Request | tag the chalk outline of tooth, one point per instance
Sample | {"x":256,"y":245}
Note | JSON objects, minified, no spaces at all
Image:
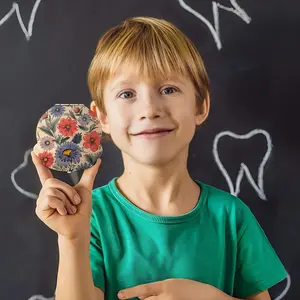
{"x":243,"y":168}
{"x":40,"y":297}
{"x":215,"y":30}
{"x":287,"y":287}
{"x":16,"y":9}
{"x":16,"y":170}
{"x":259,"y":189}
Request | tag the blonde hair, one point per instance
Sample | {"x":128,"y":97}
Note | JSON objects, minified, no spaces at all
{"x":157,"y":48}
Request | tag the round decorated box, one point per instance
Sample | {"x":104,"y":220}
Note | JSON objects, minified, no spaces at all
{"x":68,"y":138}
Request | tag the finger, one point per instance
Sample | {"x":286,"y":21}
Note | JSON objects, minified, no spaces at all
{"x":51,"y":202}
{"x":68,"y":190}
{"x":143,"y":290}
{"x":61,"y":196}
{"x":89,"y":175}
{"x":43,"y":172}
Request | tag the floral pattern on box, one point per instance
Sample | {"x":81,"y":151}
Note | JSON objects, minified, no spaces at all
{"x":68,"y":138}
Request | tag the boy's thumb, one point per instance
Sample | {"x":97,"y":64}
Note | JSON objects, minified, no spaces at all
{"x":89,"y":175}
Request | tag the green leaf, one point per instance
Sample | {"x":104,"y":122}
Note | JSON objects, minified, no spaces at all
{"x":92,"y":128}
{"x":54,"y":124}
{"x":83,"y":128}
{"x":46,"y":130}
{"x":72,"y":114}
{"x":64,"y":139}
{"x":59,"y":139}
{"x":48,"y":123}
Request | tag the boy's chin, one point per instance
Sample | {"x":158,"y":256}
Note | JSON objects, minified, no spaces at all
{"x":157,"y":159}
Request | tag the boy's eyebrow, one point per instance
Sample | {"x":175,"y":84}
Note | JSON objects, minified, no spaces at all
{"x":118,"y":83}
{"x":126,"y":81}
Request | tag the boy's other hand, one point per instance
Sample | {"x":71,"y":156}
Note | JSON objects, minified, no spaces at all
{"x":63,"y":208}
{"x":174,"y":289}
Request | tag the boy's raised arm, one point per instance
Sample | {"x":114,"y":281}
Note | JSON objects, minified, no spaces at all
{"x":74,"y":279}
{"x":67,"y":211}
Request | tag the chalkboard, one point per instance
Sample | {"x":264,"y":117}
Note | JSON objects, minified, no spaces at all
{"x":249,"y":145}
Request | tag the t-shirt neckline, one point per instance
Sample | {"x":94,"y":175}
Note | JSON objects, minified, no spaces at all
{"x":155,"y":218}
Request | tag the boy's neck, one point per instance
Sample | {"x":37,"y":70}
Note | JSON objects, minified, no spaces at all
{"x":167,"y":190}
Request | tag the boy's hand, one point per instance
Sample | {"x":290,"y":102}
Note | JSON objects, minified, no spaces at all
{"x":57,"y":200}
{"x":174,"y":289}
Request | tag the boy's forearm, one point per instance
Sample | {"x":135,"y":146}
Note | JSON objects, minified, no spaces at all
{"x":223,"y":296}
{"x":74,"y":279}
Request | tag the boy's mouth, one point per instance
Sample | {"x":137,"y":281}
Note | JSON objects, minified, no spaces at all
{"x":154,"y":131}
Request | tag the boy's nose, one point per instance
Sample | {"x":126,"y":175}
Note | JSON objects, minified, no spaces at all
{"x":151,"y":109}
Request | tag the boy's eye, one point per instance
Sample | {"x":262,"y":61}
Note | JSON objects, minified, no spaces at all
{"x":126,"y":92}
{"x":168,"y":89}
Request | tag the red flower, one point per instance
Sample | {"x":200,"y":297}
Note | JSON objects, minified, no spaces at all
{"x":92,"y":141}
{"x":45,"y":116}
{"x":92,"y":114}
{"x":46,"y":158}
{"x":67,"y":127}
{"x":76,"y":109}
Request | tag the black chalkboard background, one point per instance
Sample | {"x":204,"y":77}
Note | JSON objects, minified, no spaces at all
{"x":253,"y":71}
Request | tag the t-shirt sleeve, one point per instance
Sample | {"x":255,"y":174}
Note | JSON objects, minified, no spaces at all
{"x":258,"y":266}
{"x":96,"y":255}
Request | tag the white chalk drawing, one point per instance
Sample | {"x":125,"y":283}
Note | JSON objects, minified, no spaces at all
{"x":285,"y":291}
{"x":40,"y":297}
{"x":16,"y":9}
{"x":259,"y":186}
{"x":215,"y":30}
{"x":16,"y":170}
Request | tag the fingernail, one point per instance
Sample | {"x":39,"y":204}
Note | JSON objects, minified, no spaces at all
{"x":121,"y":295}
{"x":77,"y":199}
{"x":73,"y":209}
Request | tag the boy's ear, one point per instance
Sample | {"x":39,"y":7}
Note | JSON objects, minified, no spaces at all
{"x":101,"y":116}
{"x":203,"y":111}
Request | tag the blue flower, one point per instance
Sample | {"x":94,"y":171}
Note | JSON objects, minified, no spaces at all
{"x":84,"y":119}
{"x":46,"y":143}
{"x":67,"y":153}
{"x":57,"y":110}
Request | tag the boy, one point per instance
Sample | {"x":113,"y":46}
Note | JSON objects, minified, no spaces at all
{"x":153,"y":232}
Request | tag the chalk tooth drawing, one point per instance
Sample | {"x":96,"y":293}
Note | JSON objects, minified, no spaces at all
{"x":40,"y":297}
{"x":285,"y":291}
{"x":259,"y":186}
{"x":16,"y":170}
{"x":215,"y":29}
{"x":16,"y":9}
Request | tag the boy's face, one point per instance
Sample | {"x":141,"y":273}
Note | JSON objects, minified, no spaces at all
{"x":134,"y":105}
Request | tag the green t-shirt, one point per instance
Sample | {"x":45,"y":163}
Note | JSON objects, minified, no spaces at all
{"x":219,"y":242}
